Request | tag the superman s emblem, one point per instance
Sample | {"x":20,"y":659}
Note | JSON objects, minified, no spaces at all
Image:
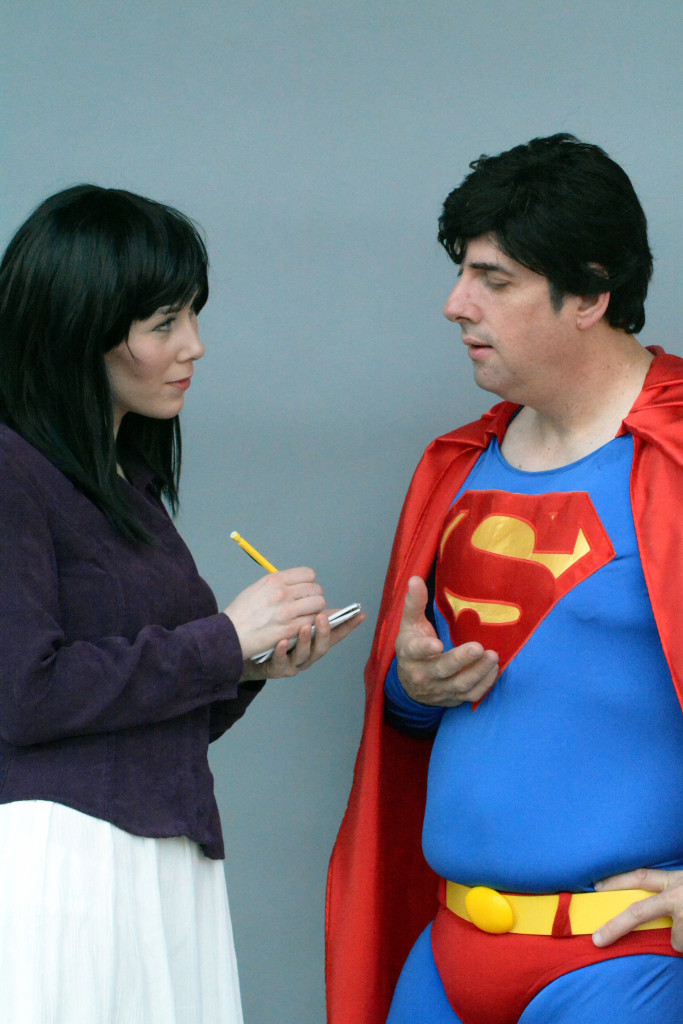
{"x":505,"y":560}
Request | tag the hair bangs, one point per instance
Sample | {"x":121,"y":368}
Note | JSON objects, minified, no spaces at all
{"x":167,"y":262}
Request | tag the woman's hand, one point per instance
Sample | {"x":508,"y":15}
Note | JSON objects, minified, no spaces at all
{"x":309,"y":649}
{"x":275,"y":608}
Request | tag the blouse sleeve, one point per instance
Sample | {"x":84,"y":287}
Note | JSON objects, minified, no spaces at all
{"x":224,"y":713}
{"x":51,"y":688}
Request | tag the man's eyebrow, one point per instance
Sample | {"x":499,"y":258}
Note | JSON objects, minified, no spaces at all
{"x":496,"y":267}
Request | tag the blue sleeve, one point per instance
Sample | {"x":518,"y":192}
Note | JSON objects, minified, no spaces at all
{"x":404,"y":713}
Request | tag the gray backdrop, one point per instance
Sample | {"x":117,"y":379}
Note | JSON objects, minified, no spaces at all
{"x":314,"y":142}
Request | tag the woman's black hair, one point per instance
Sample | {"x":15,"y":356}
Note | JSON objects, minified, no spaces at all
{"x":87,"y":263}
{"x":564,"y":209}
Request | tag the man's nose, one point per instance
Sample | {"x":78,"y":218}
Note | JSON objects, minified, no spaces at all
{"x":459,"y":304}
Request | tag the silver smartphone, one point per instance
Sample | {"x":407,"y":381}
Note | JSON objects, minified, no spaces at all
{"x":336,"y":619}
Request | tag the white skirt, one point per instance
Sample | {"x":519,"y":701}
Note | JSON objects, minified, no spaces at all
{"x":101,"y":927}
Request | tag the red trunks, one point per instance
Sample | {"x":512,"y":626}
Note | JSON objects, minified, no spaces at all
{"x":492,"y":978}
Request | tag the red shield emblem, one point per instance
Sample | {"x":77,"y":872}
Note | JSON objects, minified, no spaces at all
{"x":505,"y":560}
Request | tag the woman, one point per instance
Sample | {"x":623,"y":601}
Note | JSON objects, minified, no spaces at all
{"x":116,"y":667}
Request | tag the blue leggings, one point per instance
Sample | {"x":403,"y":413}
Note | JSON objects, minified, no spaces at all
{"x":642,"y":989}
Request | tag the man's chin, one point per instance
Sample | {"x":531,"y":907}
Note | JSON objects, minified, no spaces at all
{"x":488,"y":381}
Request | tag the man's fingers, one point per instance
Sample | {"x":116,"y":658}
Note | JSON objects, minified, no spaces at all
{"x":469,"y":662}
{"x":419,"y":648}
{"x":415,"y":603}
{"x":638,"y":913}
{"x":484,"y":683}
{"x":465,"y":655}
{"x":652,"y":879}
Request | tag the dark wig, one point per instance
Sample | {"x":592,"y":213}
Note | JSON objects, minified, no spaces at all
{"x":563,"y":209}
{"x":85,"y":265}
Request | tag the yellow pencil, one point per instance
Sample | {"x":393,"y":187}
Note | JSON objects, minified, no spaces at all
{"x":252,"y":552}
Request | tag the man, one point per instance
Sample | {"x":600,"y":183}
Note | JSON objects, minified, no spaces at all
{"x":529,"y":643}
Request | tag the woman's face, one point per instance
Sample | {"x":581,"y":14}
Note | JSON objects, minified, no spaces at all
{"x":150,"y":371}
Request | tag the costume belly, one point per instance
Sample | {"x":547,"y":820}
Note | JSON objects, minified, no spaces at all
{"x":570,"y":769}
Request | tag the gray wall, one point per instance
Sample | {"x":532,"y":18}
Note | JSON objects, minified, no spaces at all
{"x":315,"y":141}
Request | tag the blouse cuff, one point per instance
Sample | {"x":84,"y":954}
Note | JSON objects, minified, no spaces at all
{"x":220,"y":652}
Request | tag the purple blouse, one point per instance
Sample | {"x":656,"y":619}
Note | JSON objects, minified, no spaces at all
{"x":116,"y":668}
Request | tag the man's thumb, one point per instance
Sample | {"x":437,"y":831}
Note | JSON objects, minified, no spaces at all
{"x":416,"y":600}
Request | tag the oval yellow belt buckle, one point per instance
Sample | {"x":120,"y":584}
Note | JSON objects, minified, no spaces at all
{"x":489,"y":910}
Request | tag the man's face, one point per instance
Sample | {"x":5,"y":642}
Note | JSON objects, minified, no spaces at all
{"x":520,"y":346}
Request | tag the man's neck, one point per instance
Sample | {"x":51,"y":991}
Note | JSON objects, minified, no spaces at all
{"x":581,"y":414}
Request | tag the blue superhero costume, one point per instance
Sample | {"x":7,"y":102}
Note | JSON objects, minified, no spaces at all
{"x":381,"y":892}
{"x":539,"y":790}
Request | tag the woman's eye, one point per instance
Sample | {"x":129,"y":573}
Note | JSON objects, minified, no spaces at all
{"x":165,"y":325}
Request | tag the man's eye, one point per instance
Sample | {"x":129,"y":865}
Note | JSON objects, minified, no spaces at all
{"x":497,"y":285}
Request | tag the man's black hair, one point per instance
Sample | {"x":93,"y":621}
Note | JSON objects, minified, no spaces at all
{"x":563,"y":209}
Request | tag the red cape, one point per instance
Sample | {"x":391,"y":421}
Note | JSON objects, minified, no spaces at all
{"x":381,"y":893}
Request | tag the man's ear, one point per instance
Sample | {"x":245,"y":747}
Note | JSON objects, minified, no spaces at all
{"x":591,"y":309}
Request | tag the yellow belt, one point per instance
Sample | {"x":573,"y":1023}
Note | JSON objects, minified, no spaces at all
{"x":497,"y":912}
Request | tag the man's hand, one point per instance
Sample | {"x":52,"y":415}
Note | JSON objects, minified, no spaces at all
{"x":429,"y":675}
{"x":667,"y":902}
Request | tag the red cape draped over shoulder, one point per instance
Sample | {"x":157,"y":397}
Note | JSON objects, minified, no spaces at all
{"x":381,"y":893}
